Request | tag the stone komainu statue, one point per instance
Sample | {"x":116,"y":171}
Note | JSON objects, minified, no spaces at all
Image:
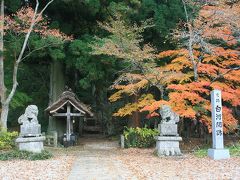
{"x":29,"y":122}
{"x":168,"y":126}
{"x":30,"y":138}
{"x":168,"y":116}
{"x":30,"y":115}
{"x":168,"y":140}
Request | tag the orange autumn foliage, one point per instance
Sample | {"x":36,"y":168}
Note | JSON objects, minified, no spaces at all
{"x":129,"y":108}
{"x":190,"y":98}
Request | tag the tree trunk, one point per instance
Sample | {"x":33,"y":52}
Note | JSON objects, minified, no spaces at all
{"x":195,"y":70}
{"x":190,"y":44}
{"x":57,"y":87}
{"x":4,"y":116}
{"x":2,"y":86}
{"x":4,"y":110}
{"x":135,"y":120}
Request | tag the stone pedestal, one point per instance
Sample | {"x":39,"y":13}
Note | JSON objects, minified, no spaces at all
{"x":31,"y":144}
{"x":168,"y":145}
{"x":218,"y":154}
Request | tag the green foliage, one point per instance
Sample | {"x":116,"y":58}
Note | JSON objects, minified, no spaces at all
{"x":47,"y":46}
{"x":92,"y":6}
{"x":166,"y":14}
{"x":15,"y":154}
{"x":7,"y":139}
{"x":92,"y":70}
{"x":19,"y":100}
{"x":139,"y":137}
{"x":13,"y":6}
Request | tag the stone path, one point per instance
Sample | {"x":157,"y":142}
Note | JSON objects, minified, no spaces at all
{"x":97,"y":161}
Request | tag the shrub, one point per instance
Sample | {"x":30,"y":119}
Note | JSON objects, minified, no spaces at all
{"x":7,"y":139}
{"x":16,"y":154}
{"x":139,"y":137}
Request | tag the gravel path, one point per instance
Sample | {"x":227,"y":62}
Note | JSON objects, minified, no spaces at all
{"x":146,"y":166}
{"x":101,"y":165}
{"x":95,"y":160}
{"x":98,"y":160}
{"x":57,"y":168}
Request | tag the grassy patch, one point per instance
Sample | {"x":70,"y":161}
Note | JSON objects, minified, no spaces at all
{"x":16,"y":154}
{"x":201,"y":153}
{"x":234,"y":151}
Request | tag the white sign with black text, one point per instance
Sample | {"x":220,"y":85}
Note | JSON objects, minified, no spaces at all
{"x":217,"y":152}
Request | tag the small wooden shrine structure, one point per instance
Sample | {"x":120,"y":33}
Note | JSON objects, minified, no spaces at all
{"x":67,"y":108}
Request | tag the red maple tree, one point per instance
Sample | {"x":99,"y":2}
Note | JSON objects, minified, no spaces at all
{"x":216,"y":69}
{"x":210,"y":60}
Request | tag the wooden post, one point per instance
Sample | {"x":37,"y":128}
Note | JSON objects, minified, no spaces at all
{"x":68,"y":121}
{"x":122,"y":141}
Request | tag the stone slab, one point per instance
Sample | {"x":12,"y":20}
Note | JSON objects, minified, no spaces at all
{"x":218,"y":154}
{"x":168,"y":138}
{"x":31,"y":144}
{"x":166,"y":129}
{"x":30,"y":139}
{"x":30,"y":129}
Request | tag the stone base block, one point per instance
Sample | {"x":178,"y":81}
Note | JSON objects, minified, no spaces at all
{"x":218,"y":154}
{"x":166,"y":129}
{"x":168,"y":146}
{"x":31,"y":144}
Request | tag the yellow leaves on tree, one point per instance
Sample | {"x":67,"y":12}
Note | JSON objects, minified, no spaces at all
{"x":129,"y":108}
{"x":135,"y":83}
